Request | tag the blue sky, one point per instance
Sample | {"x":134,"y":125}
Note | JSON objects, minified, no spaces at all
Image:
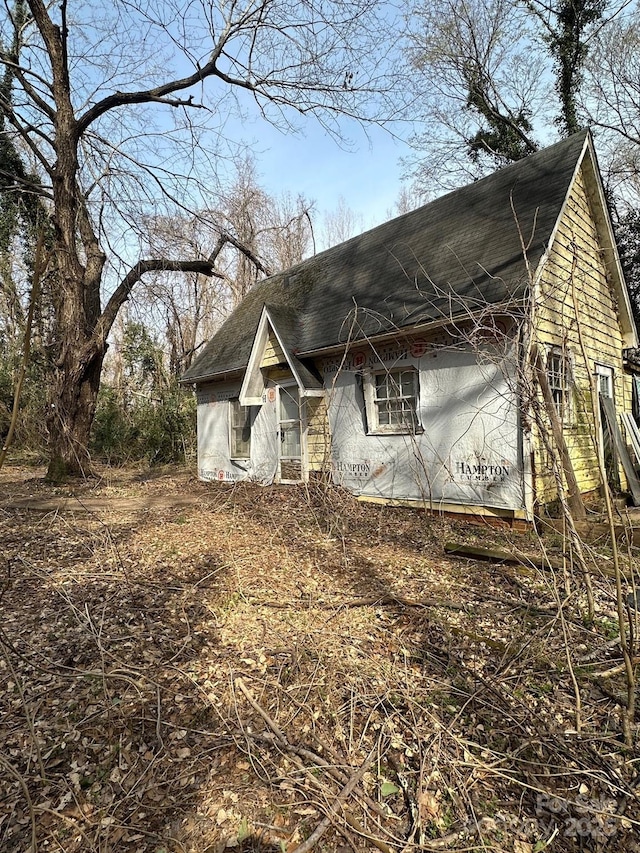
{"x":365,"y":171}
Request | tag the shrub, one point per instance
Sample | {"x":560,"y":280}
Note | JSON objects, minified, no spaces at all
{"x":158,"y":430}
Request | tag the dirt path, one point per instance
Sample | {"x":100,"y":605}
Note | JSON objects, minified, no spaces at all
{"x":79,"y":503}
{"x":126,"y":490}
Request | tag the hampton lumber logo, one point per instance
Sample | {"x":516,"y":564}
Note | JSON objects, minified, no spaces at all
{"x":481,"y":471}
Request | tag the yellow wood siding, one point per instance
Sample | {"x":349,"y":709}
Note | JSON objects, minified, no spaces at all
{"x":272,"y":352}
{"x":318,"y":444}
{"x":575,"y":301}
{"x":279,"y":374}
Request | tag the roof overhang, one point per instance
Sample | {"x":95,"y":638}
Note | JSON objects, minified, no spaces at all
{"x":253,"y":383}
{"x":212,"y":377}
{"x":512,"y":308}
{"x":262,"y":335}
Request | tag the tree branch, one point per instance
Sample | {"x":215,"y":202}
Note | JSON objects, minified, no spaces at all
{"x":225,"y":238}
{"x":159,"y":93}
{"x":122,"y":292}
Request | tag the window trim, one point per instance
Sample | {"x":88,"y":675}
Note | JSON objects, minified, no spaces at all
{"x":235,"y":407}
{"x":563,"y":387}
{"x":608,"y":372}
{"x":372,"y":401}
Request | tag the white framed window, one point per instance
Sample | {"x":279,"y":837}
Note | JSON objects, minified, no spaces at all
{"x":239,"y":430}
{"x":559,"y":376}
{"x":290,"y":429}
{"x":604,"y":380}
{"x":391,"y":400}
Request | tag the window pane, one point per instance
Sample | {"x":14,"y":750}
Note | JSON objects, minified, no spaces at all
{"x":290,"y":440}
{"x":240,"y":430}
{"x":289,"y":404}
{"x":605,"y":384}
{"x":558,"y":377}
{"x":395,"y":399}
{"x":381,"y":386}
{"x":407,"y":384}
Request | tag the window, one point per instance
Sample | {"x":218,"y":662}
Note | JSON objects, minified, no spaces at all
{"x":559,"y":376}
{"x":391,"y":399}
{"x":239,"y":430}
{"x":604,"y":380}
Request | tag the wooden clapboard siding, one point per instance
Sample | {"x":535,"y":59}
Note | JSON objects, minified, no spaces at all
{"x":575,"y":276}
{"x":272,"y":352}
{"x":318,"y":444}
{"x":279,"y":374}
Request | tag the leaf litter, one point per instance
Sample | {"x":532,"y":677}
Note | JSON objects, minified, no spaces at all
{"x":196,"y":667}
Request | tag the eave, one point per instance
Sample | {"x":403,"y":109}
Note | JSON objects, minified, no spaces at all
{"x":511,"y":308}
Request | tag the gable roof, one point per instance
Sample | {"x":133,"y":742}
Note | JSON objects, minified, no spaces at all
{"x":457,"y":254}
{"x":282,"y":322}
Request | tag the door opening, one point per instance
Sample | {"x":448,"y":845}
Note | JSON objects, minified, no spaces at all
{"x":290,"y":435}
{"x":604,"y":385}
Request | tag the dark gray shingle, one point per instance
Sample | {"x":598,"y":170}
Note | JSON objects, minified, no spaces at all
{"x":459,"y":252}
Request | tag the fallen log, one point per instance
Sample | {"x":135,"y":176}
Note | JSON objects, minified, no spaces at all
{"x":531,"y":561}
{"x":526,"y":561}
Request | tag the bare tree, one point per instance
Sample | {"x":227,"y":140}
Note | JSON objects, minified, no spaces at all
{"x":185,"y":309}
{"x":275,"y":231}
{"x":254,"y":234}
{"x":612,"y":98}
{"x":341,"y":224}
{"x":567,"y":27}
{"x":476,"y":84}
{"x":408,"y":199}
{"x":112,"y":105}
{"x":493,"y":76}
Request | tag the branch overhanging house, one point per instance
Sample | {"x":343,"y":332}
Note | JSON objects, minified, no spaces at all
{"x":400,"y":362}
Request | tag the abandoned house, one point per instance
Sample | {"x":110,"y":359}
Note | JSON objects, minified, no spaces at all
{"x":409,"y":363}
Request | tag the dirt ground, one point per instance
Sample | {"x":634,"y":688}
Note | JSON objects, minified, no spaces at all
{"x":192,"y":667}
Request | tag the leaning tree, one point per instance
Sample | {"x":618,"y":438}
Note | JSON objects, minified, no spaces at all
{"x":124,"y":111}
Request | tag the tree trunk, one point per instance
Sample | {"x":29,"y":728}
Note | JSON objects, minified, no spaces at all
{"x":77,"y":365}
{"x":71,"y":409}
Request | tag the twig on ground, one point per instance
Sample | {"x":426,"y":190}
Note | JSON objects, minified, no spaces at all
{"x":25,"y":790}
{"x":325,"y":823}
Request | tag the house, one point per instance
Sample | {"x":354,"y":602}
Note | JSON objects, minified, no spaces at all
{"x":400,"y":362}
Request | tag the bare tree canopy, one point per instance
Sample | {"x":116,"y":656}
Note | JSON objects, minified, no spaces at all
{"x":120,"y":111}
{"x":252,"y":234}
{"x":495,"y":79}
{"x":612,"y":97}
{"x":477,"y":85}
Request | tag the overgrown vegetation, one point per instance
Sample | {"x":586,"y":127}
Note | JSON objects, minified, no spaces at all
{"x":286,"y":668}
{"x":157,"y":429}
{"x":30,"y":436}
{"x":142,"y":414}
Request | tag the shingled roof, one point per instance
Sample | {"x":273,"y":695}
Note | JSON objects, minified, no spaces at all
{"x":461,"y":251}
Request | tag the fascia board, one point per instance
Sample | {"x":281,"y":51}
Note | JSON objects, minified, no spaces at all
{"x":537,"y":273}
{"x":255,"y":358}
{"x":595,"y":185}
{"x":212,"y":377}
{"x":253,"y":365}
